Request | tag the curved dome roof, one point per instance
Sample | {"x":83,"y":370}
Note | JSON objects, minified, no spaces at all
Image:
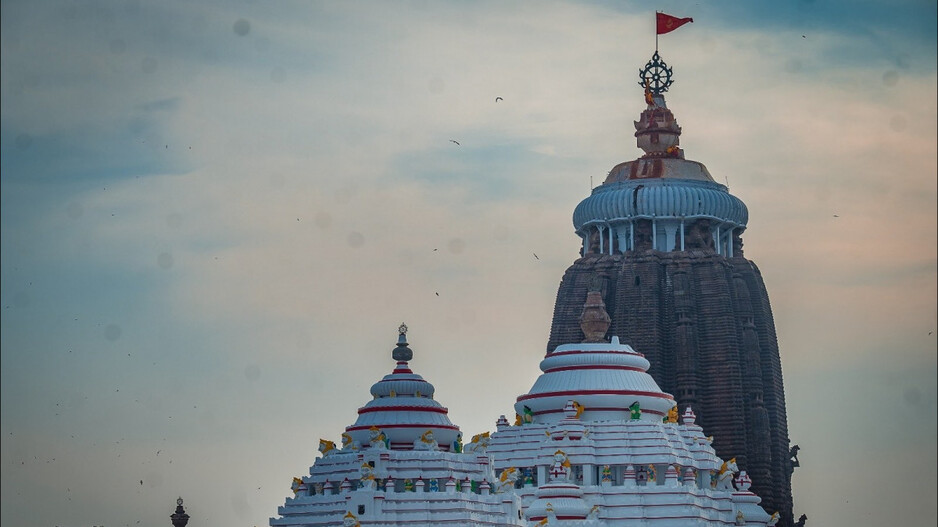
{"x":403,"y":408}
{"x":605,"y":378}
{"x":660,"y":198}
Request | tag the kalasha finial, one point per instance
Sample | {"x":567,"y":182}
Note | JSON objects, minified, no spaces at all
{"x":179,"y":518}
{"x":402,"y":352}
{"x":594,"y":321}
{"x":656,"y":75}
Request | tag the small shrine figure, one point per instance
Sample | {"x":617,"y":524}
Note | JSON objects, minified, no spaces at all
{"x":348,"y":444}
{"x":528,"y":416}
{"x":593,"y":514}
{"x":607,"y":475}
{"x":479,"y":443}
{"x":672,"y":416}
{"x":426,"y":442}
{"x":560,"y":470}
{"x":740,"y":518}
{"x":350,"y":520}
{"x":377,"y":439}
{"x":636,"y":411}
{"x":507,"y":479}
{"x":367,"y":479}
{"x":518,"y":420}
{"x":318,"y":489}
{"x":434,"y":485}
{"x":724,"y":478}
{"x":773,"y":520}
{"x":652,"y":473}
{"x":528,"y":477}
{"x":408,"y":485}
{"x":579,"y":409}
{"x":457,"y":444}
{"x":326,"y":447}
{"x":297,"y":486}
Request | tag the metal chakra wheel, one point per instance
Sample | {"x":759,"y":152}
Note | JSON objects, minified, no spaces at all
{"x":657,"y":73}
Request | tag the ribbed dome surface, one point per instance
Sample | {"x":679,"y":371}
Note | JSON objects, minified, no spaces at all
{"x":660,"y":198}
{"x":403,"y":409}
{"x":605,"y":378}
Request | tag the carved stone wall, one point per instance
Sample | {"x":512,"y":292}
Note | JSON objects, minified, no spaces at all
{"x":705,"y":324}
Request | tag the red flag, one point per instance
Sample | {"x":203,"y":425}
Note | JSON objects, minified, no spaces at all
{"x":668,"y":23}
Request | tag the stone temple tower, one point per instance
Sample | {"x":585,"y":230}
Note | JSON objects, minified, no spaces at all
{"x":662,"y":242}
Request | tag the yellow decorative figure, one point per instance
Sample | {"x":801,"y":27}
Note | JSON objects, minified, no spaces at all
{"x":672,"y":415}
{"x":579,"y":409}
{"x":326,"y":447}
{"x":350,"y":520}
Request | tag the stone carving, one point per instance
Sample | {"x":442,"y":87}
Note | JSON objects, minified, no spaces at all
{"x":560,"y":470}
{"x":367,"y":479}
{"x":377,"y":439}
{"x":426,"y":442}
{"x":698,"y":236}
{"x":348,"y":444}
{"x":479,"y":444}
{"x":724,"y":479}
{"x":326,"y":447}
{"x":507,"y":479}
{"x":350,"y":520}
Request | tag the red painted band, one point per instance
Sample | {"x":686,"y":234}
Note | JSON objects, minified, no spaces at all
{"x":405,"y":425}
{"x":603,"y":352}
{"x":594,"y":367}
{"x":659,"y":395}
{"x":365,"y":410}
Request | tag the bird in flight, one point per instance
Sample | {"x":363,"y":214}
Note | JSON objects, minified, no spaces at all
{"x":454,"y":141}
{"x":499,"y":99}
{"x":535,"y":256}
{"x":836,"y":216}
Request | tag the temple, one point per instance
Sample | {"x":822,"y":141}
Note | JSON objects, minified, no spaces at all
{"x":663,"y":240}
{"x":660,"y":402}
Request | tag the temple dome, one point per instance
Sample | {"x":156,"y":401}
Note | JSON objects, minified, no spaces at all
{"x":604,"y":378}
{"x":660,"y":198}
{"x":403,"y":408}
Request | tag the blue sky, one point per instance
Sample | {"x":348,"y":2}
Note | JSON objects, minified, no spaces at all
{"x":215,"y":215}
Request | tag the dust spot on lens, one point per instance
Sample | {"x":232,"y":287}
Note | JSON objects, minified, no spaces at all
{"x":898,"y":123}
{"x":23,"y":141}
{"x":323,"y":220}
{"x":148,"y":64}
{"x":356,"y":240}
{"x":241,"y":27}
{"x":112,"y":332}
{"x":278,"y":75}
{"x":456,"y":245}
{"x":164,"y":260}
{"x":74,"y":210}
{"x":890,"y":78}
{"x":117,"y":46}
{"x":252,"y":372}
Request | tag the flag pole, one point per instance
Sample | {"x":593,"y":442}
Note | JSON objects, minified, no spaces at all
{"x":656,"y":31}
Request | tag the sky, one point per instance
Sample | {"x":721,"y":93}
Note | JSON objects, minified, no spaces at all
{"x":215,"y":215}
